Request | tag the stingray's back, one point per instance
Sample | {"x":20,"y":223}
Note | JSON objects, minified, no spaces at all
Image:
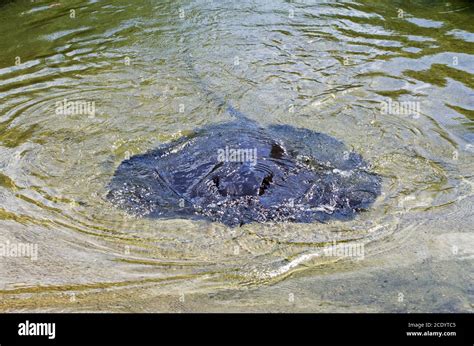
{"x":296,"y":175}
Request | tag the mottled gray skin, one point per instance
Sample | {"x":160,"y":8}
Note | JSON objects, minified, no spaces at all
{"x":299,"y":176}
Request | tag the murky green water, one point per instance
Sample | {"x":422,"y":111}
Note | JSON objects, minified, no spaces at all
{"x":392,"y":79}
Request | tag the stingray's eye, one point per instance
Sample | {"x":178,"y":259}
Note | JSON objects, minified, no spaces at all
{"x":265,"y":184}
{"x":304,"y":159}
{"x":277,"y":151}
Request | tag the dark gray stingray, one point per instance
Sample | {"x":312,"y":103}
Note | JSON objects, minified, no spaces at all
{"x":296,"y":175}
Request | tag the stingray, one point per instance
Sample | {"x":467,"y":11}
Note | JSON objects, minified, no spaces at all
{"x":241,"y":172}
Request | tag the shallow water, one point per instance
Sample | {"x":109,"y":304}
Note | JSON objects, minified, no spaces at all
{"x":337,"y":67}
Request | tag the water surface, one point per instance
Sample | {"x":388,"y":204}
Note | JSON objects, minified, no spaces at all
{"x":337,"y":67}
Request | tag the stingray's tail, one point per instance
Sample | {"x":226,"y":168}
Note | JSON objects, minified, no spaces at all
{"x":210,"y":94}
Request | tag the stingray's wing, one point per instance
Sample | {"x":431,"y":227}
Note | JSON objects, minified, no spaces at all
{"x":140,"y":189}
{"x":357,"y":186}
{"x":324,"y":149}
{"x":157,"y":183}
{"x":140,"y":185}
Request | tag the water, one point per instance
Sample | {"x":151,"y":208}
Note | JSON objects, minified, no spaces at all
{"x":393,"y":80}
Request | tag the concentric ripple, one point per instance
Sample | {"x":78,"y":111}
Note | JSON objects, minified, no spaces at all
{"x":85,"y":85}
